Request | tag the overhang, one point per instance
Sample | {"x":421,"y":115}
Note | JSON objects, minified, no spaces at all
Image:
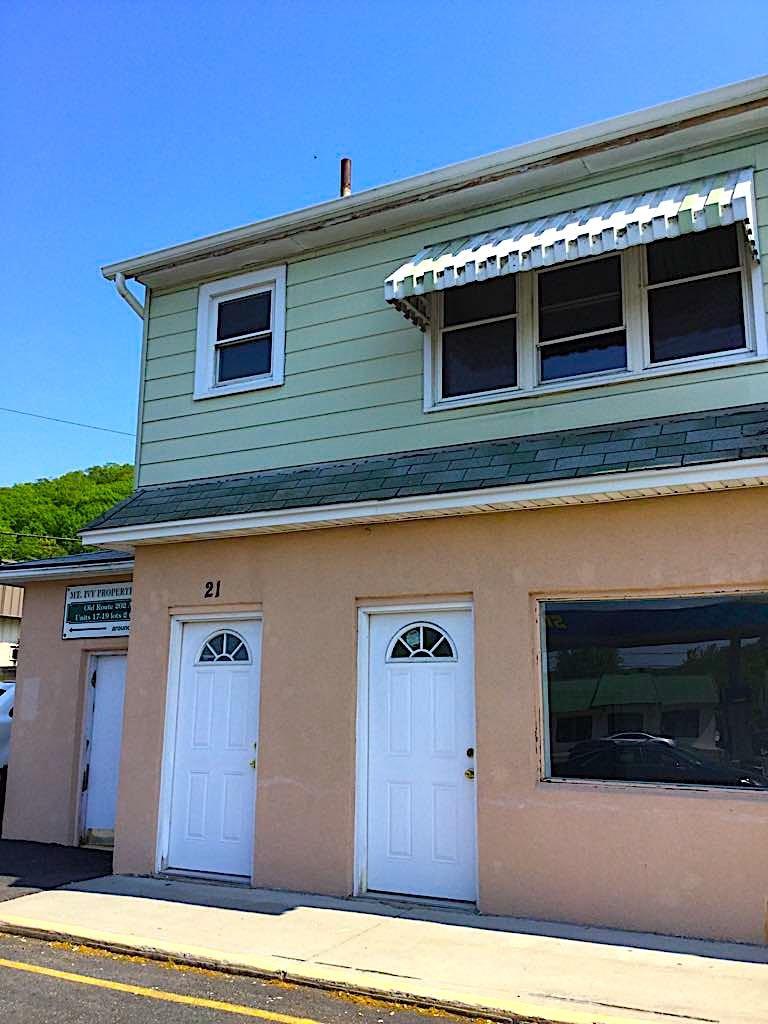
{"x":717,"y":450}
{"x":633,"y":220}
{"x":85,"y":565}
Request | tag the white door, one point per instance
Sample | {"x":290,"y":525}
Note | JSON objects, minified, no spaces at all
{"x":213,"y":772}
{"x":107,"y":692}
{"x":421,"y":759}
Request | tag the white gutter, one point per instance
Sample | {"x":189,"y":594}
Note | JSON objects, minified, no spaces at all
{"x":39,"y":574}
{"x":128,"y":295}
{"x":621,"y":486}
{"x":742,"y":98}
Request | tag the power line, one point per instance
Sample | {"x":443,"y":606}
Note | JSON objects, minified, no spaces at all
{"x":37,"y":536}
{"x":71,"y":423}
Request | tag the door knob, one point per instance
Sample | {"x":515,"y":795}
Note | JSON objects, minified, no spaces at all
{"x":469,"y":773}
{"x":252,"y":763}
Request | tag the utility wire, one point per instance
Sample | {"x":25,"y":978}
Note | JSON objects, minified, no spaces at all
{"x":37,"y":536}
{"x":71,"y":423}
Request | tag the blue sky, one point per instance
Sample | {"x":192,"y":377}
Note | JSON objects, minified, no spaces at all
{"x":129,"y":126}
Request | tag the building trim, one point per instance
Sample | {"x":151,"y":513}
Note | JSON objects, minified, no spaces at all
{"x":412,"y":198}
{"x":542,"y":494}
{"x":18,"y":577}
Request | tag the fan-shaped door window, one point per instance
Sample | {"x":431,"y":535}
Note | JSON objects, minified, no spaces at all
{"x":421,"y":640}
{"x":224,"y":646}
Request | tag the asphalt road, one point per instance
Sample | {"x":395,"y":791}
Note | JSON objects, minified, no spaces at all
{"x":130,"y":989}
{"x":30,"y":867}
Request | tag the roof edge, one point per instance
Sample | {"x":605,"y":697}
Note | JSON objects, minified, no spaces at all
{"x":523,"y":158}
{"x":27,"y":573}
{"x":617,"y":486}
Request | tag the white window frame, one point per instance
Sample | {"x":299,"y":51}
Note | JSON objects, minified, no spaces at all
{"x":210,"y":296}
{"x":545,"y":774}
{"x":636,"y":325}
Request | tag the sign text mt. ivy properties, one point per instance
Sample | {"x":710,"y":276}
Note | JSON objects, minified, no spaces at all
{"x":100,"y":610}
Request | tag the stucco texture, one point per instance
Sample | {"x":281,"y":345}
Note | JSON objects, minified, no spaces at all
{"x":650,"y":858}
{"x":42,"y":797}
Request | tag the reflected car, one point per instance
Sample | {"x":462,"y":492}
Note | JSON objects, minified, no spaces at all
{"x":640,"y":737}
{"x":652,"y":760}
{"x":7,"y":692}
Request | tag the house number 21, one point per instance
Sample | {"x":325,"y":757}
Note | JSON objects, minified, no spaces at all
{"x":212,"y":588}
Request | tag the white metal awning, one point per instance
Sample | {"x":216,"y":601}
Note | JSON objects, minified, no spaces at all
{"x":719,"y":200}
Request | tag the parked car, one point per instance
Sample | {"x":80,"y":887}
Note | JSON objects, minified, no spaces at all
{"x":7,"y":693}
{"x":654,"y":760}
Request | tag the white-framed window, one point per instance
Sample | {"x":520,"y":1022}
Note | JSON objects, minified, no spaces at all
{"x":241,"y":333}
{"x":421,"y":640}
{"x":671,"y":306}
{"x":656,"y":690}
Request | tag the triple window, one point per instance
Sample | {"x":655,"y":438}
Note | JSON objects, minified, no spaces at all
{"x":675,"y":302}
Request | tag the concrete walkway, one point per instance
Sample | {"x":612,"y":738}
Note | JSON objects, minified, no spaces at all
{"x":486,"y":965}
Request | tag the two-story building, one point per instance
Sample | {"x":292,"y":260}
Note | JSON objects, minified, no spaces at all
{"x":448,"y":538}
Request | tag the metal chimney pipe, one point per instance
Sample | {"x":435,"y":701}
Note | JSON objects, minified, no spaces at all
{"x":345,"y":187}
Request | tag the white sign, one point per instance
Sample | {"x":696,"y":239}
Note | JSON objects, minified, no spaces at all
{"x":100,"y":610}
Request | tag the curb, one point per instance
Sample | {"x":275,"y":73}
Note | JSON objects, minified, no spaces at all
{"x":518,"y":1011}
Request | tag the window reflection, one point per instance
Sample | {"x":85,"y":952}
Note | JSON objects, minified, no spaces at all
{"x":659,"y":691}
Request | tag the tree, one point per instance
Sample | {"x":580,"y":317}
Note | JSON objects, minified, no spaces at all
{"x":57,"y":508}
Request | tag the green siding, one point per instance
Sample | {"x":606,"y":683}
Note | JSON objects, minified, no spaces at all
{"x":353,"y":380}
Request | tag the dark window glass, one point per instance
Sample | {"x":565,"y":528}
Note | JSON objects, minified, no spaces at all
{"x":481,"y":301}
{"x":626,"y":721}
{"x":696,"y":318}
{"x":479,"y":359}
{"x":248,"y":315}
{"x":597,"y":354}
{"x":580,"y":298}
{"x":676,"y":690}
{"x":683,"y":722}
{"x":574,"y":728}
{"x":701,"y":252}
{"x":245,"y":359}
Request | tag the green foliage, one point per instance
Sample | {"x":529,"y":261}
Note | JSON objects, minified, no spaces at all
{"x":59,"y":508}
{"x":587,"y":662}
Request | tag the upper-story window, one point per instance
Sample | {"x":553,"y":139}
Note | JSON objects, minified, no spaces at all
{"x":675,"y":303}
{"x":241,"y":333}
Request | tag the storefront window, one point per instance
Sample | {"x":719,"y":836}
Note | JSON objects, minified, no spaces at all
{"x":670,"y":691}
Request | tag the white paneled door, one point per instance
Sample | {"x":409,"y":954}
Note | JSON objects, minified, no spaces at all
{"x":421,"y":836}
{"x":213,"y":770}
{"x":107,"y":692}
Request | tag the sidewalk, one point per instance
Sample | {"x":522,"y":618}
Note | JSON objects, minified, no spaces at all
{"x":493,"y":966}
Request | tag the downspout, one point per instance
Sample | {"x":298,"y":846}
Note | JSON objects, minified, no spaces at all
{"x":124,"y":293}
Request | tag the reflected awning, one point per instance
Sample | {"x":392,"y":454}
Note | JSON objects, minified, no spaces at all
{"x":716,"y":201}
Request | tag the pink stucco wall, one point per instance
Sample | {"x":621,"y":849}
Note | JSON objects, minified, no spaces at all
{"x":43,"y":774}
{"x":657,"y":858}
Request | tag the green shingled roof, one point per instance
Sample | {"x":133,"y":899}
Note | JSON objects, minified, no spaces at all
{"x":660,"y":443}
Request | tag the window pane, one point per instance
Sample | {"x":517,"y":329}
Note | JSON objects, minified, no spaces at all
{"x":479,"y":359}
{"x":248,"y":315}
{"x":697,"y":253}
{"x":580,"y":298}
{"x":245,"y":359}
{"x":480,"y":301}
{"x":696,"y":318}
{"x":586,"y":355}
{"x":675,"y":690}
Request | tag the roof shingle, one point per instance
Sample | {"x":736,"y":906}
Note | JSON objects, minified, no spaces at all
{"x":722,"y":435}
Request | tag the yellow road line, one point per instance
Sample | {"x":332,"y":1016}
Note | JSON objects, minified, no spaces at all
{"x":151,"y":993}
